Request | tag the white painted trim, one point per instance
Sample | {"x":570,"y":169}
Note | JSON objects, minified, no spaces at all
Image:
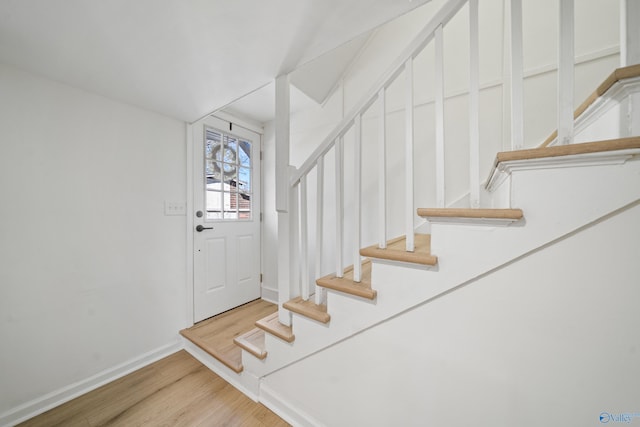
{"x":58,"y":397}
{"x":320,"y":294}
{"x":495,"y":222}
{"x":382,"y":170}
{"x":304,"y":239}
{"x":614,"y":96}
{"x":411,"y":265}
{"x":505,"y":169}
{"x":629,"y":32}
{"x":357,"y":192}
{"x":439,"y":119}
{"x":282,"y":135}
{"x":284,"y":409}
{"x":269,"y":294}
{"x":244,"y":382}
{"x":474,"y":106}
{"x":339,"y":193}
{"x":190,"y":298}
{"x":517,"y":77}
{"x":566,"y":60}
{"x":409,"y":153}
{"x":242,"y":122}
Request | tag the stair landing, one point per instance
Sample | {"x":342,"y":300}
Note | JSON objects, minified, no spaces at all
{"x":216,"y":335}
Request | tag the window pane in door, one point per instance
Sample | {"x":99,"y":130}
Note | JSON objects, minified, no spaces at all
{"x":228,"y":169}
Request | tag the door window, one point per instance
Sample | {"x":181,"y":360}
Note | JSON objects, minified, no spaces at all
{"x":228,"y":170}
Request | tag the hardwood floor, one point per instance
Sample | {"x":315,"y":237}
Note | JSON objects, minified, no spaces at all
{"x":175,"y":391}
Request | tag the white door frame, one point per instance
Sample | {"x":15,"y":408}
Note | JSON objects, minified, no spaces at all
{"x":188,"y":321}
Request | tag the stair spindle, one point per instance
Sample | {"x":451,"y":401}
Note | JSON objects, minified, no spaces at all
{"x":565,"y":73}
{"x":439,"y":107}
{"x":357,"y":200}
{"x":517,"y":77}
{"x":339,"y":155}
{"x":382,"y":171}
{"x":304,"y":240}
{"x":319,"y":292}
{"x":408,"y":164}
{"x":474,"y":106}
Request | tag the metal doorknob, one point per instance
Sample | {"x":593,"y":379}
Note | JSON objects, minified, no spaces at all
{"x":199,"y":228}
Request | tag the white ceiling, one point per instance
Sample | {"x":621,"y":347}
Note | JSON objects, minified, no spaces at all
{"x":182,"y":58}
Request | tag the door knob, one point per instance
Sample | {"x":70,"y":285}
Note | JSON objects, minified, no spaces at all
{"x":199,"y":228}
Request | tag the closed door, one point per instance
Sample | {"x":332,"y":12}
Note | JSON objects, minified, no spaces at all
{"x":226,"y":217}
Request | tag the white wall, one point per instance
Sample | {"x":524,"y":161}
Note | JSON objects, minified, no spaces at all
{"x":550,"y":339}
{"x":92,"y":272}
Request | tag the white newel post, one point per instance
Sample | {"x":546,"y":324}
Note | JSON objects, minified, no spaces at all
{"x":282,"y":195}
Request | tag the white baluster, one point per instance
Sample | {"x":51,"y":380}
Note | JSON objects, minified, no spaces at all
{"x":357,"y":200}
{"x":439,"y":106}
{"x":319,"y":291}
{"x":629,"y":32}
{"x":339,"y":155}
{"x":382,"y":171}
{"x":565,"y":73}
{"x":304,"y":240}
{"x":474,"y":112}
{"x":294,"y":234}
{"x":517,"y":79}
{"x":408,"y":163}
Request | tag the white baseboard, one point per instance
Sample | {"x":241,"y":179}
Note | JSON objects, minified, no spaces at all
{"x":270,"y":294}
{"x":58,"y":397}
{"x":285,"y":410}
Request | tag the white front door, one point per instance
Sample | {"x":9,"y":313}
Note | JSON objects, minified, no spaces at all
{"x":226,"y":213}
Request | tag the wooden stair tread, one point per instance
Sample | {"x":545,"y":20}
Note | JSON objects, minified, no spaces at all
{"x":308,"y":309}
{"x":231,"y":359}
{"x":569,"y":149}
{"x":396,"y":251}
{"x":216,"y":335}
{"x":514,"y":214}
{"x":617,"y":75}
{"x":272,"y":325}
{"x":347,"y":285}
{"x":253,"y":342}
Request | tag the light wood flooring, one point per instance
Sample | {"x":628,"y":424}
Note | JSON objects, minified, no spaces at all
{"x":175,"y":391}
{"x":215,"y":335}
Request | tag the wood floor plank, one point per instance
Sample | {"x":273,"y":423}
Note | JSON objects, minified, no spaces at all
{"x":175,"y":391}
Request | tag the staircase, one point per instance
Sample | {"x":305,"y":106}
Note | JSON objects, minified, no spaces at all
{"x":531,"y":199}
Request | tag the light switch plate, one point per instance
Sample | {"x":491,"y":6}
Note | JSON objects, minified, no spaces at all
{"x":175,"y":208}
